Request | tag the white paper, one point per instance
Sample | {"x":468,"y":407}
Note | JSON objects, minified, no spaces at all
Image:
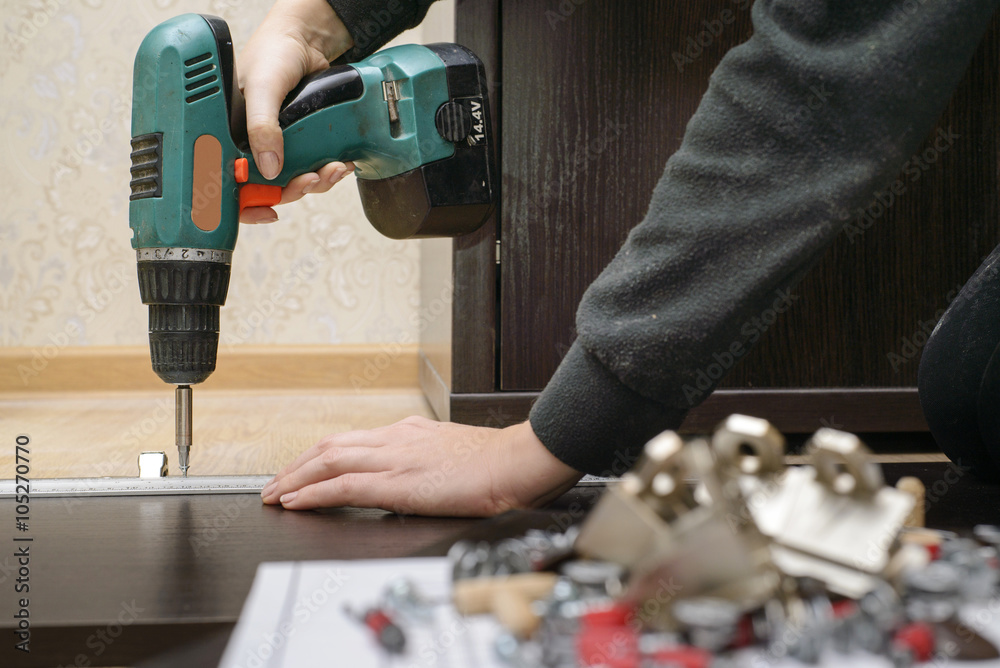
{"x":294,"y":617}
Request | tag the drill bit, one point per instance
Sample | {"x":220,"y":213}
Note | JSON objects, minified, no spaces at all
{"x":182,"y":414}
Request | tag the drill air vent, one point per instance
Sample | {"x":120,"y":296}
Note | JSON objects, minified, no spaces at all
{"x":194,"y":68}
{"x":147,"y":160}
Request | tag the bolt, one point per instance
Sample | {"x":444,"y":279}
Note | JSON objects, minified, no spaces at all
{"x":710,"y":622}
{"x":987,"y":533}
{"x":595,"y":578}
{"x":402,"y":596}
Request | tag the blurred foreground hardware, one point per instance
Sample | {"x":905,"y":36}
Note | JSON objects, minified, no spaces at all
{"x":386,"y":632}
{"x":753,"y":561}
{"x":750,"y":522}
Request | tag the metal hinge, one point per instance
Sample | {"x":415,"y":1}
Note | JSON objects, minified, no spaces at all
{"x":498,"y":251}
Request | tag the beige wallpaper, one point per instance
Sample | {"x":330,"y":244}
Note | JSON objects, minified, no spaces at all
{"x":67,"y":270}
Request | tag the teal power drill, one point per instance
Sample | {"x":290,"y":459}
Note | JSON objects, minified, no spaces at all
{"x":413,"y":119}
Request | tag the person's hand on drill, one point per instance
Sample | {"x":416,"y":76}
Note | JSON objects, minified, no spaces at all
{"x":298,"y":37}
{"x":417,"y":465}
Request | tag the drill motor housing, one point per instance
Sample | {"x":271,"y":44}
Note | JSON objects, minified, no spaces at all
{"x":414,"y":119}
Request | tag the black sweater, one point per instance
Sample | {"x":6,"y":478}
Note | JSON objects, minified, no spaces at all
{"x":799,"y":126}
{"x":372,"y":23}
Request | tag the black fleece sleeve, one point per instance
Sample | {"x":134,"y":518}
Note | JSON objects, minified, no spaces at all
{"x":801,"y":124}
{"x":372,"y":23}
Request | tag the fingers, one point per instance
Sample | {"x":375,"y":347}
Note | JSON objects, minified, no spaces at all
{"x":316,"y":182}
{"x":364,"y":439}
{"x":327,"y":465}
{"x":313,"y":182}
{"x":361,"y":490}
{"x":258,"y":214}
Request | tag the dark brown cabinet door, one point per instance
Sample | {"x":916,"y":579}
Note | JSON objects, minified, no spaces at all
{"x":594,"y":102}
{"x":591,"y":100}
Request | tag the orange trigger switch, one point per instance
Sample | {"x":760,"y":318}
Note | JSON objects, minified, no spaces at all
{"x":259,"y":194}
{"x":242,"y":170}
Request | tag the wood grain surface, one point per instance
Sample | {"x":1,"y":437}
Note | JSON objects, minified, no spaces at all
{"x":476,"y":299}
{"x":593,"y":105}
{"x":166,"y":566}
{"x":235,"y":433}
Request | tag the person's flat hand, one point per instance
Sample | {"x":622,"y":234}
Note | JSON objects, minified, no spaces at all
{"x":298,"y":37}
{"x":419,"y":466}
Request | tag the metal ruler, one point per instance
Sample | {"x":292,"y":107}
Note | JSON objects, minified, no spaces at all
{"x":59,"y":487}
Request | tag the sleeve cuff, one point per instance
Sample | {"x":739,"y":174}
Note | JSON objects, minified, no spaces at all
{"x":591,"y":421}
{"x":373,"y":25}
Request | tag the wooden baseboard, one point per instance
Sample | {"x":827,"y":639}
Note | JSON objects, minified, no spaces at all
{"x":127,"y":368}
{"x":434,"y":387}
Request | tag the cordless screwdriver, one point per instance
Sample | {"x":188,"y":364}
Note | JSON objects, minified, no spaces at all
{"x":414,"y":120}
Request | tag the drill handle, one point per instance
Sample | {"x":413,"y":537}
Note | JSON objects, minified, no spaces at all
{"x":334,"y":85}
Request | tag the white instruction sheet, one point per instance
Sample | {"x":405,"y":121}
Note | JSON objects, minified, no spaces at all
{"x":294,"y":616}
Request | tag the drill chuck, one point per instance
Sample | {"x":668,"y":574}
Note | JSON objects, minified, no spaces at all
{"x":184,"y":288}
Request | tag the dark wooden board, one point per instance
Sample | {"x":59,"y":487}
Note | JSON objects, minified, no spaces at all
{"x":177,"y":569}
{"x":593,"y":106}
{"x":181,"y":560}
{"x":474,"y":259}
{"x":790,"y":410}
{"x":187,"y":557}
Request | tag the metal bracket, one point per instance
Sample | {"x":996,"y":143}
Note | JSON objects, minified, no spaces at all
{"x":152,"y":464}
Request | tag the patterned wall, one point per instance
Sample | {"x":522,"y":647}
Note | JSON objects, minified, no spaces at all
{"x":67,"y":271}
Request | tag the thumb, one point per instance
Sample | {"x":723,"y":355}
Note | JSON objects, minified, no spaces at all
{"x":264,"y":93}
